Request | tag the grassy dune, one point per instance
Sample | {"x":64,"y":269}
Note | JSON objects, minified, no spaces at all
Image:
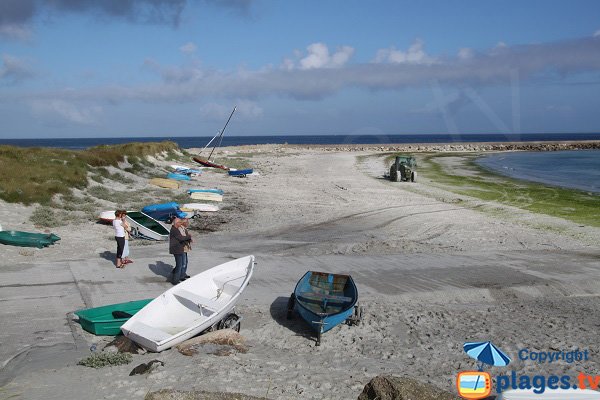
{"x":35,"y":175}
{"x":575,"y":205}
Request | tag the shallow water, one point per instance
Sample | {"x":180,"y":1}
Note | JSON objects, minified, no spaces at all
{"x":577,"y":169}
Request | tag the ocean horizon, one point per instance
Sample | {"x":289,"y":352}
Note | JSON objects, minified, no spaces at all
{"x":199,"y":141}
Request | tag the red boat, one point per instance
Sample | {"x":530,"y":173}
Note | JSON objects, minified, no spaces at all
{"x":207,"y":163}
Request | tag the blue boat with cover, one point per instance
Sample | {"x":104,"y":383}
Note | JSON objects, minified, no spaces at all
{"x":212,"y":190}
{"x":178,"y":177}
{"x":240,"y":172}
{"x":164,"y":212}
{"x":325,"y":300}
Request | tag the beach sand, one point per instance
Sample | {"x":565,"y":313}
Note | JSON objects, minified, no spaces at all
{"x":433,"y":270}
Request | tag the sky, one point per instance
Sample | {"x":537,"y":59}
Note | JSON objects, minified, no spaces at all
{"x":126,"y":68}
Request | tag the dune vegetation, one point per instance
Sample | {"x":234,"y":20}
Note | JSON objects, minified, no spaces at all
{"x":35,"y":175}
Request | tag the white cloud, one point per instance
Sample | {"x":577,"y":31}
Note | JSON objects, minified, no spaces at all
{"x":188,"y":48}
{"x":14,"y":69}
{"x":465,"y":54}
{"x":176,"y":74}
{"x":192,"y":82}
{"x":219,"y":112}
{"x":597,"y":33}
{"x":15,"y":32}
{"x":414,"y":55}
{"x":64,"y":110}
{"x":318,"y":56}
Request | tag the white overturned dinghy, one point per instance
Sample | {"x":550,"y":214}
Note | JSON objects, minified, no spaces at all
{"x":190,"y":307}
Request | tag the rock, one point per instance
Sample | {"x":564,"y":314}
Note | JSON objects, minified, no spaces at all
{"x":171,"y":394}
{"x":384,"y":387}
{"x":124,"y":345}
{"x":146,"y":368}
{"x":222,"y":342}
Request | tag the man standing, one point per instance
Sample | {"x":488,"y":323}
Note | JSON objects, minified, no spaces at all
{"x":178,"y":245}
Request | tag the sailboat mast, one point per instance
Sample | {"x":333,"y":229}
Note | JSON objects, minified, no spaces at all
{"x":222,"y":131}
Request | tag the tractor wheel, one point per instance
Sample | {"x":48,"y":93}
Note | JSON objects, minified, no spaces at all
{"x":413,"y":176}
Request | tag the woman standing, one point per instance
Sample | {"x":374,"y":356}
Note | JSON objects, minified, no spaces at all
{"x":119,"y":237}
{"x":177,"y":243}
{"x":127,"y":228}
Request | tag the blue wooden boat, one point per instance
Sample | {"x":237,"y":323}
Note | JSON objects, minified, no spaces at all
{"x":218,"y":191}
{"x":164,"y":212}
{"x":325,"y":300}
{"x":240,"y":172}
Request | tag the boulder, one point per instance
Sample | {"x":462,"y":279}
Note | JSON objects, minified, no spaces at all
{"x":384,"y":387}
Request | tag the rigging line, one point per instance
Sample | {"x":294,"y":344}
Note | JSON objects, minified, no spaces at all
{"x":222,"y":132}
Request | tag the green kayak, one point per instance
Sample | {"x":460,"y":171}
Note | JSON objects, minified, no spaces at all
{"x":107,"y":320}
{"x":27,"y":239}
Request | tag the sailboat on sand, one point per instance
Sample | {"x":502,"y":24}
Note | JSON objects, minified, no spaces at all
{"x":219,"y":135}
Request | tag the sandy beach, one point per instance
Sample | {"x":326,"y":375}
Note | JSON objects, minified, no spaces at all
{"x":433,"y":269}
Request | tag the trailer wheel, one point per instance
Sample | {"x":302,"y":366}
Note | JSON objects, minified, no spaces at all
{"x":290,"y":306}
{"x":232,"y":321}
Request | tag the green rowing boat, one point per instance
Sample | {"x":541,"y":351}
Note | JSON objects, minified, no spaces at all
{"x":27,"y":239}
{"x":107,"y":320}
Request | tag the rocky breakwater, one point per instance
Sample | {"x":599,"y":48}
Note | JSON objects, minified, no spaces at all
{"x":463,"y":147}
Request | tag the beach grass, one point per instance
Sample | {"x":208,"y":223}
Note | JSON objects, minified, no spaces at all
{"x":35,"y":175}
{"x":574,"y":205}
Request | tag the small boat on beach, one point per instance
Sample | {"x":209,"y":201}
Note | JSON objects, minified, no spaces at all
{"x":240,"y":172}
{"x":181,"y":169}
{"x":325,"y":300}
{"x":165,"y":183}
{"x":107,"y":216}
{"x":164,"y":212}
{"x":178,"y":176}
{"x":192,"y":306}
{"x":145,"y":227}
{"x":199,"y":207}
{"x":206,"y":196}
{"x":219,"y":136}
{"x":209,"y":164}
{"x":206,"y":190}
{"x":28,"y":239}
{"x":107,"y":320}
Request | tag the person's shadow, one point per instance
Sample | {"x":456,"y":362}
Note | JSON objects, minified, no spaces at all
{"x":279,"y":311}
{"x":162,"y":269}
{"x":108,"y":255}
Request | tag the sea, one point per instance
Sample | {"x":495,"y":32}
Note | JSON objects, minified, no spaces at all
{"x":579,"y":169}
{"x":187,"y":142}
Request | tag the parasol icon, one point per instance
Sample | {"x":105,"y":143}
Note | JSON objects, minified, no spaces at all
{"x":486,"y":353}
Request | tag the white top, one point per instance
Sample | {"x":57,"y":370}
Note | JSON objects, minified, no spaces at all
{"x":118,"y":225}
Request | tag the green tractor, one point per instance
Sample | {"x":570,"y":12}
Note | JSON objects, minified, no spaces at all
{"x":404,"y":168}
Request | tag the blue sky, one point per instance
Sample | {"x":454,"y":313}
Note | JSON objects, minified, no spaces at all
{"x":111,"y":68}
